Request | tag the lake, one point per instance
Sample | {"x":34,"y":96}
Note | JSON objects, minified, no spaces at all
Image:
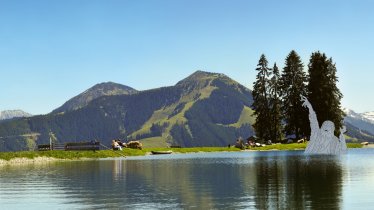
{"x":224,"y":180}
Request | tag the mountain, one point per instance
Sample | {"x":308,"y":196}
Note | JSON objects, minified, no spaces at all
{"x":363,"y":121}
{"x":204,"y":109}
{"x":355,"y":134}
{"x":368,"y":116}
{"x":102,"y":89}
{"x":10,"y":114}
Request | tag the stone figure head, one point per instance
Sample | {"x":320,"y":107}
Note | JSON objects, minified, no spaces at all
{"x":327,"y":129}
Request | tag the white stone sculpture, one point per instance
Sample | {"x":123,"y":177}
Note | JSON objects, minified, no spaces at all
{"x":322,"y":140}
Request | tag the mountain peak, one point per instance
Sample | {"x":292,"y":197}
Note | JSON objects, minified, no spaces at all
{"x":199,"y":74}
{"x":9,"y":114}
{"x":200,"y":78}
{"x":96,"y":91}
{"x":368,"y":115}
{"x":109,"y":83}
{"x":110,"y":88}
{"x":203,"y":73}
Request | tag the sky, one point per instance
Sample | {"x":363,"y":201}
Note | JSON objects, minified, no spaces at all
{"x":51,"y":51}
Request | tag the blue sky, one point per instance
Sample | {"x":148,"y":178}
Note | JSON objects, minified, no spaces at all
{"x":51,"y":51}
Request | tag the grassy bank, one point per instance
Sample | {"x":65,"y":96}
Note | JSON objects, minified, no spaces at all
{"x":71,"y":154}
{"x":354,"y":145}
{"x":195,"y":149}
{"x":136,"y":152}
{"x":105,"y":153}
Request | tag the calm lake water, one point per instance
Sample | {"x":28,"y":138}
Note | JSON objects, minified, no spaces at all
{"x":235,"y":180}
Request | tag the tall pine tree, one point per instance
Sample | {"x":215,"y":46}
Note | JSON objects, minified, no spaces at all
{"x":260,"y":100}
{"x":323,"y":93}
{"x":275,"y":105}
{"x":293,"y":85}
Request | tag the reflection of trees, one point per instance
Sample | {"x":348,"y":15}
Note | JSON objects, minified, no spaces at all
{"x":323,"y":178}
{"x":298,"y":182}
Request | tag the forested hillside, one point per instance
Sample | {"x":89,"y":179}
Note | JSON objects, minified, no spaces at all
{"x":205,"y":109}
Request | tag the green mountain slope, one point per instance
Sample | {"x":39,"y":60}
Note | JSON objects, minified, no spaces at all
{"x":205,"y":109}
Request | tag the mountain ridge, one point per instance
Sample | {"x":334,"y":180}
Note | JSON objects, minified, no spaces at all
{"x":361,"y":121}
{"x":369,"y":115}
{"x":96,"y":91}
{"x":204,"y":109}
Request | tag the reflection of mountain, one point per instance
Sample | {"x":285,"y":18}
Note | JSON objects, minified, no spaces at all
{"x":133,"y":184}
{"x":257,"y":180}
{"x":262,"y":181}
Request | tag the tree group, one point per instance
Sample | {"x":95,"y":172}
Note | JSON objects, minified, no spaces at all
{"x":277,"y":105}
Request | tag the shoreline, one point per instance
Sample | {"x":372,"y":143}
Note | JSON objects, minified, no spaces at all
{"x":24,"y":160}
{"x":368,"y":146}
{"x":48,"y":159}
{"x":18,"y":161}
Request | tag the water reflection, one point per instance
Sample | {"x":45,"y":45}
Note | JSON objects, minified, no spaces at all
{"x":301,"y":182}
{"x":261,"y":180}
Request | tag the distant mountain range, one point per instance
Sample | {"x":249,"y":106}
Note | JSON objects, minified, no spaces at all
{"x":204,"y":109}
{"x":10,"y":114}
{"x":368,"y":116}
{"x":360,"y":126}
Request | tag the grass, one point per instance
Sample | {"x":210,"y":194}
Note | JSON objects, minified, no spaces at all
{"x":161,"y":116}
{"x":245,"y":118}
{"x":71,"y":155}
{"x":281,"y":147}
{"x":153,"y":142}
{"x":354,"y":145}
{"x":195,"y":149}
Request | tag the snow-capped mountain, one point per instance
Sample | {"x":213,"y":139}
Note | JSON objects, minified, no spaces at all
{"x":9,"y":114}
{"x":369,"y":116}
{"x":364,"y":121}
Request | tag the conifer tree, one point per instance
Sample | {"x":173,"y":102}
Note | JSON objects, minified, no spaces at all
{"x":260,"y":100}
{"x":293,"y":85}
{"x":323,"y":93}
{"x":275,"y":105}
